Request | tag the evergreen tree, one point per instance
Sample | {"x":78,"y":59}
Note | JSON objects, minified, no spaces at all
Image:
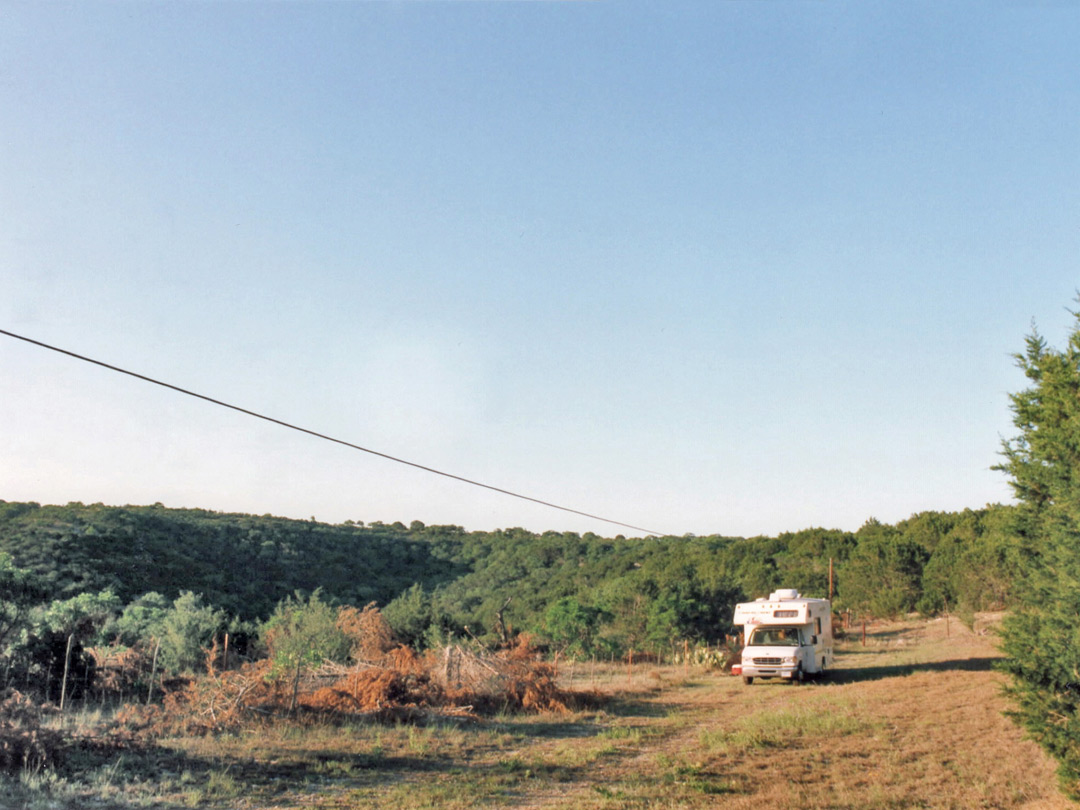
{"x":1041,"y":637}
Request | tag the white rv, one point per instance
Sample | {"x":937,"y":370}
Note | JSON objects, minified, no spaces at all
{"x":786,"y":636}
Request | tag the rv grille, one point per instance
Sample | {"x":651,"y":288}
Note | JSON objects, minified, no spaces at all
{"x":767,"y":662}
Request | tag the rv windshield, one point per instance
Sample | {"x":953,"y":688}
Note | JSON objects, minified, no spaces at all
{"x":775,"y":637}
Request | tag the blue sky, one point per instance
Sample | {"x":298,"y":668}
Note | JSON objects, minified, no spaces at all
{"x":716,"y":267}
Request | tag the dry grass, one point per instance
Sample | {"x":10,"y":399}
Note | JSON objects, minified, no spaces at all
{"x":912,"y":719}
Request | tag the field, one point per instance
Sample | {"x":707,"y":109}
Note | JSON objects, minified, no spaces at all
{"x":911,"y":718}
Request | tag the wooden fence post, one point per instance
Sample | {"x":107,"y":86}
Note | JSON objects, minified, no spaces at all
{"x":295,"y":688}
{"x":153,"y":671}
{"x":67,"y":663}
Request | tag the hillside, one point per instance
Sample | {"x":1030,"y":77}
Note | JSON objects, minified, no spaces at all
{"x":242,"y":563}
{"x":585,"y":593}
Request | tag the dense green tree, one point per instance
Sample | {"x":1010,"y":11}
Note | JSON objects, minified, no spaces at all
{"x":20,"y":591}
{"x":139,"y":622}
{"x":996,"y":554}
{"x":929,"y":529}
{"x":302,"y":633}
{"x":882,"y":576}
{"x":56,"y":644}
{"x":410,"y":614}
{"x":755,"y":565}
{"x":804,"y":562}
{"x":84,"y":615}
{"x":187,"y":631}
{"x":1042,"y":636}
{"x":572,"y":626}
{"x":973,"y":566}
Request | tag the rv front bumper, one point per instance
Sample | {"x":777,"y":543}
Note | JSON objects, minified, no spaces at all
{"x":770,"y":667}
{"x":750,"y":671}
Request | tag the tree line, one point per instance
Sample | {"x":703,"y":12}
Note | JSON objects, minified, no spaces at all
{"x":80,"y":577}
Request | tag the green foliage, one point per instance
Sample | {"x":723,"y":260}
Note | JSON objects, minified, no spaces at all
{"x":416,"y":618}
{"x":187,"y":630}
{"x":83,"y":615}
{"x":140,"y":621}
{"x":303,"y":633}
{"x":804,"y":562}
{"x":973,"y":566}
{"x":572,"y":626}
{"x":882,"y":577}
{"x":243,"y":564}
{"x":1042,"y":636}
{"x":20,"y":590}
{"x":755,"y":565}
{"x":437,"y":583}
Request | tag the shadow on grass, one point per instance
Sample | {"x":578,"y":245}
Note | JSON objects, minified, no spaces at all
{"x":876,"y":673}
{"x":287,"y":777}
{"x":290,"y":779}
{"x":553,"y":729}
{"x":629,"y":706}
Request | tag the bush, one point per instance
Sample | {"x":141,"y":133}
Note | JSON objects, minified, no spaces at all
{"x":304,"y":633}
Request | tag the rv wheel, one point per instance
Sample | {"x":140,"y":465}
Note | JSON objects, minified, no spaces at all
{"x":800,"y":676}
{"x":747,"y":679}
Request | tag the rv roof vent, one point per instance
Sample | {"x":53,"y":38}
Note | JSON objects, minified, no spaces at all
{"x":787,"y":593}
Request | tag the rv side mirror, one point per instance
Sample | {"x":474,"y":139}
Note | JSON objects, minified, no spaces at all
{"x":813,"y":639}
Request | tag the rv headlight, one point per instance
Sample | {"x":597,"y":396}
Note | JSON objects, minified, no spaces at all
{"x":790,"y":659}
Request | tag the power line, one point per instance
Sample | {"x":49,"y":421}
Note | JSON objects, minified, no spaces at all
{"x":322,"y":435}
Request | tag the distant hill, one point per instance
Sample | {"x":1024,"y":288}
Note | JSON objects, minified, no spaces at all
{"x":243,"y":563}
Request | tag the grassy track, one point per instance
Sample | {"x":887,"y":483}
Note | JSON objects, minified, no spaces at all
{"x":910,"y":720}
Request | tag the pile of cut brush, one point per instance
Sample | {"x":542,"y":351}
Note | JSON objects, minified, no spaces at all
{"x":398,"y":685}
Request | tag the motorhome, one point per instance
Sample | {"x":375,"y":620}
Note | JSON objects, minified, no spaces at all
{"x":785,"y":636}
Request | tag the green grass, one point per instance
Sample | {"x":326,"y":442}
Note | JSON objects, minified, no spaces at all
{"x":791,"y":725}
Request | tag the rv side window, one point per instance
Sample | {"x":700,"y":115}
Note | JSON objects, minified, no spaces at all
{"x":817,"y":626}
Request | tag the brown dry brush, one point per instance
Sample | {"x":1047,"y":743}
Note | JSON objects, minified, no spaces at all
{"x":24,"y":743}
{"x":397,"y":686}
{"x":371,"y":635}
{"x":121,"y":672}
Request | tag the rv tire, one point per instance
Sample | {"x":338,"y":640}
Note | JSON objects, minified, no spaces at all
{"x":748,"y":679}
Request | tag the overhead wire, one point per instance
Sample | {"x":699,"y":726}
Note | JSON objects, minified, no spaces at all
{"x":323,"y":436}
